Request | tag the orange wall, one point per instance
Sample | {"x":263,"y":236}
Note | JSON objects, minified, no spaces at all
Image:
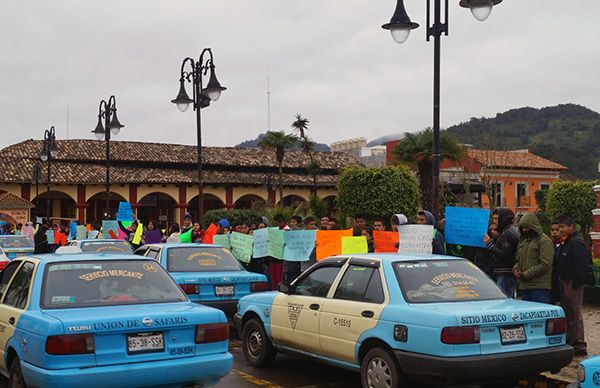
{"x":509,"y":187}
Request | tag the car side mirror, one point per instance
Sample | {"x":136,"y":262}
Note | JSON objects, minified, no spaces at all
{"x":285,"y":288}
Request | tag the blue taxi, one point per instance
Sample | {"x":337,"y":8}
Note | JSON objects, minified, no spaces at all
{"x":397,"y":318}
{"x":105,"y":246}
{"x":588,"y":374}
{"x":77,"y":320}
{"x":208,"y":274}
{"x":16,"y":245}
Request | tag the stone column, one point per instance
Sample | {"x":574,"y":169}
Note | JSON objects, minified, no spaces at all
{"x":595,"y":235}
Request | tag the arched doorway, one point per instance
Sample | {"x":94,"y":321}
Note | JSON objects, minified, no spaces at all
{"x":249,"y":201}
{"x":61,"y":205}
{"x":159,"y":207}
{"x":211,"y":202}
{"x":97,"y":204}
{"x":292,"y":200}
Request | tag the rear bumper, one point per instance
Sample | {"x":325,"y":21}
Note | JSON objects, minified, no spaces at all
{"x":229,"y":307}
{"x":198,"y":370}
{"x":484,"y":369}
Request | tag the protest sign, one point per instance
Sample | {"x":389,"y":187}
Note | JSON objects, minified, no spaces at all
{"x":416,"y":239}
{"x":186,"y":237}
{"x":110,"y":229}
{"x":261,"y":243}
{"x":209,"y":234}
{"x":329,"y":242}
{"x":385,"y":242}
{"x":125,"y":212}
{"x":72,"y":230}
{"x":241,"y":246}
{"x":466,"y":226}
{"x":299,"y":244}
{"x":354,"y":245}
{"x":276,"y":243}
{"x":222,"y":240}
{"x":137,"y":237}
{"x":80,"y":232}
{"x":50,"y":236}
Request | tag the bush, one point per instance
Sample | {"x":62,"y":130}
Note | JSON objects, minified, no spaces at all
{"x":235,"y":216}
{"x":573,"y":198}
{"x":378,"y":192}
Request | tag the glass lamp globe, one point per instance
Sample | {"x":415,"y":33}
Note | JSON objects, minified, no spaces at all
{"x":400,"y":33}
{"x":481,"y":9}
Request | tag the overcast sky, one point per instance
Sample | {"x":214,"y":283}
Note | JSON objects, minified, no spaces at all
{"x":327,"y":59}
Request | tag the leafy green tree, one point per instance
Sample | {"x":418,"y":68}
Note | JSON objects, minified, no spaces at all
{"x":280,"y":142}
{"x":416,"y":149}
{"x":573,"y":198}
{"x":378,"y":192}
{"x":308,"y":146}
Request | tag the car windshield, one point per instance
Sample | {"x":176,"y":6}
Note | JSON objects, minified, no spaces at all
{"x":201,"y":259}
{"x":119,"y":247}
{"x":11,"y":242}
{"x":107,"y":282}
{"x":431,"y":281}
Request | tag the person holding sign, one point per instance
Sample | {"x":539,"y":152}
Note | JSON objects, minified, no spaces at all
{"x":503,"y":249}
{"x":425,"y":217}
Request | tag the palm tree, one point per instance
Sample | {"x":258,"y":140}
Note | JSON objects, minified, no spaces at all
{"x":308,"y":146}
{"x":417,"y":148}
{"x":278,"y":141}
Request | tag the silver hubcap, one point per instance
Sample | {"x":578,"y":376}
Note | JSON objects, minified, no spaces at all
{"x":379,"y":374}
{"x":255,"y":343}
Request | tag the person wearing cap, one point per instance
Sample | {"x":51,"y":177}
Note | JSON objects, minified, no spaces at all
{"x":223,"y":224}
{"x":187,"y":223}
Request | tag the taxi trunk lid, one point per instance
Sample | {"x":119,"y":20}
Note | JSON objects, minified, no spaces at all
{"x":505,"y":325}
{"x":217,"y":286}
{"x":122,"y":333}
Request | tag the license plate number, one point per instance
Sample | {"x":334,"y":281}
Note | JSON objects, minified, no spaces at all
{"x":224,"y":290}
{"x":145,"y":342}
{"x":512,"y":335}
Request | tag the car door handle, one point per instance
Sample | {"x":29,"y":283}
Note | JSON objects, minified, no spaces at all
{"x":314,"y":306}
{"x":368,"y":314}
{"x":11,"y":320}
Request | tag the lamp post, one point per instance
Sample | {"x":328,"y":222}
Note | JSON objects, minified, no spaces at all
{"x":400,"y":26}
{"x":201,"y":99}
{"x":49,"y":152}
{"x":107,"y":111}
{"x":36,"y":181}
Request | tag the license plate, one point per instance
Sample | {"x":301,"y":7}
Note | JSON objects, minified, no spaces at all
{"x":145,"y":343}
{"x":512,"y":335}
{"x":224,"y":290}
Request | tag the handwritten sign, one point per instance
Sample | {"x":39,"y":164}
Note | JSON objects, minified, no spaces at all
{"x":416,"y":239}
{"x":261,"y":243}
{"x":329,"y":242}
{"x":50,"y":236}
{"x":299,"y":244}
{"x":80,"y":232}
{"x":466,"y":226}
{"x":276,"y":243}
{"x":241,"y":246}
{"x":110,"y":229}
{"x":137,"y":237}
{"x":125,"y":212}
{"x":73,"y":230}
{"x":222,"y":240}
{"x":386,"y":242}
{"x":354,"y":245}
{"x":209,"y":234}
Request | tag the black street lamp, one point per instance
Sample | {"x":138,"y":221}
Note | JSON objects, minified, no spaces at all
{"x":108,"y":112}
{"x":400,"y":26}
{"x":49,"y":152}
{"x":35,"y":179}
{"x":201,"y":99}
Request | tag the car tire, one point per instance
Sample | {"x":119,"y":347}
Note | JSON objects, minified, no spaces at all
{"x":258,"y":348}
{"x":379,"y":369}
{"x":15,"y":377}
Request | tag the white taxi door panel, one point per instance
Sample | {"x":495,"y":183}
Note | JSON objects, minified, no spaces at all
{"x":14,"y":287}
{"x":355,"y":308}
{"x":295,"y":317}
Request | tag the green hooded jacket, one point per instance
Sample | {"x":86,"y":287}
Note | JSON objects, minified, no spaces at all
{"x":535,"y":255}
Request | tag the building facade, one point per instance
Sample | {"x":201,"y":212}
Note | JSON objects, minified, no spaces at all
{"x":160,"y":180}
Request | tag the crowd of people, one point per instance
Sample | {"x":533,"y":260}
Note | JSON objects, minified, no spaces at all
{"x":518,"y":255}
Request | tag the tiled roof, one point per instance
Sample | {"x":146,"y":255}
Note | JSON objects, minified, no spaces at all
{"x":82,"y":161}
{"x":513,"y":159}
{"x":10,"y":201}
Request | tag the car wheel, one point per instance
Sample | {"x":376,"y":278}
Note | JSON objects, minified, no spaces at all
{"x":15,"y":378}
{"x":379,"y":369}
{"x":257,"y":346}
